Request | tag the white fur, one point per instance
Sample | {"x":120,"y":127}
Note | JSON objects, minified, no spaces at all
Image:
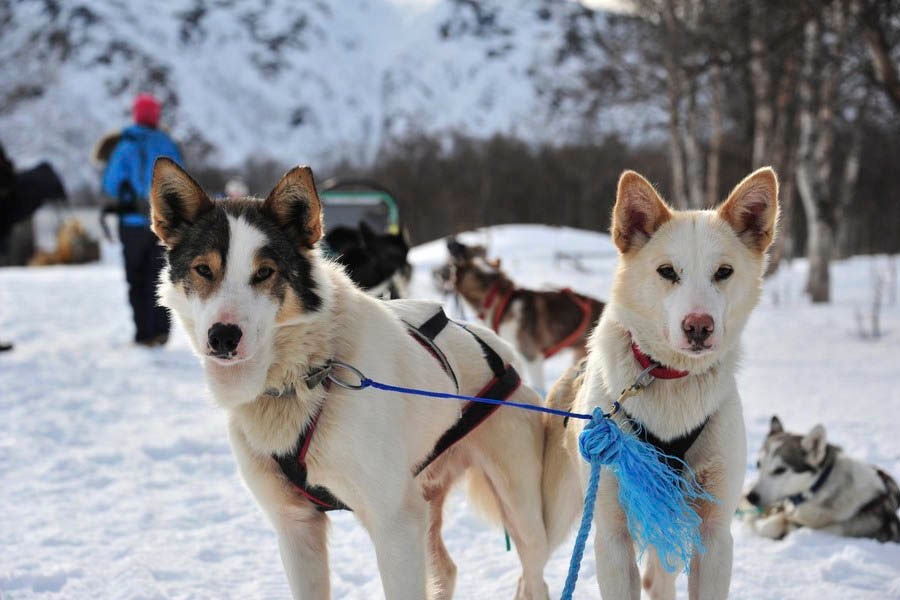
{"x":367,"y":442}
{"x":648,"y":309}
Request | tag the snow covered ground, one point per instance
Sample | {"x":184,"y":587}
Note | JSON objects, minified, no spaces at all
{"x":117,"y":480}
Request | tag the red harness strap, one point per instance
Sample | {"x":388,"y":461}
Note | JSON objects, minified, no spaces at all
{"x":502,"y":305}
{"x":293,"y":465}
{"x":573,"y":337}
{"x":659,"y":372}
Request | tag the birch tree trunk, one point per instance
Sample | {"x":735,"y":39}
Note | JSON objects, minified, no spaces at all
{"x":715,"y":136}
{"x":818,"y":243}
{"x":675,"y":90}
{"x":848,"y":187}
{"x":693,"y":155}
{"x":823,"y":49}
{"x":762,"y":104}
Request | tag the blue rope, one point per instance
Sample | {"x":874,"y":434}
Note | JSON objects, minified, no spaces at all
{"x":366,"y":382}
{"x":584,"y":529}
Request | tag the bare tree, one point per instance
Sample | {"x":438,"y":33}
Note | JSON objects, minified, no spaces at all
{"x":716,"y":133}
{"x":824,"y":41}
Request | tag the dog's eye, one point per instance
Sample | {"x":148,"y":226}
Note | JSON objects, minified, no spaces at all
{"x":262,"y":274}
{"x":204,"y":271}
{"x":779,"y":471}
{"x":723,"y":273}
{"x":668,"y":273}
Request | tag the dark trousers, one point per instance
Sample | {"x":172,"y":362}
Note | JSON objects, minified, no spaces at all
{"x":143,"y":263}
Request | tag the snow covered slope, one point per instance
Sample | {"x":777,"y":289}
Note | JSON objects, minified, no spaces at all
{"x":117,"y":480}
{"x":312,"y":81}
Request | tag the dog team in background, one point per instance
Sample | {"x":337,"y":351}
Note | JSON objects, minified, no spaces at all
{"x":537,"y":323}
{"x":291,"y":343}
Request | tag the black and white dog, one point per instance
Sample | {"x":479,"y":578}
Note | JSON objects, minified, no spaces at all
{"x":375,"y":262}
{"x":804,"y":481}
{"x":270,"y":317}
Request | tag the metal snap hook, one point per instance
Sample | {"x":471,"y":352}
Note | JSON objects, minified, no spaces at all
{"x":645,"y":378}
{"x":340,"y":382}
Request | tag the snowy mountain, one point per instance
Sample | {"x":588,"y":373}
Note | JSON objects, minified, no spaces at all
{"x":309,"y":81}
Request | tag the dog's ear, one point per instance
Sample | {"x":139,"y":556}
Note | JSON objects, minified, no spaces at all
{"x":638,"y":213}
{"x":456,"y":249}
{"x":815,"y":445}
{"x":294,"y":204}
{"x":176,"y":200}
{"x":775,"y":425}
{"x":752,"y":209}
{"x":370,"y":238}
{"x":495,"y":263}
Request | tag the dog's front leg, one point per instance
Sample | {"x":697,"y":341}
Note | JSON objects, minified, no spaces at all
{"x":710,"y":575}
{"x":302,"y":541}
{"x":399,"y":539}
{"x":301,"y":529}
{"x":617,"y":571}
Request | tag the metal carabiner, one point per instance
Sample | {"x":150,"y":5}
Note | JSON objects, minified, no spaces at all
{"x":340,"y":382}
{"x":644,"y":379}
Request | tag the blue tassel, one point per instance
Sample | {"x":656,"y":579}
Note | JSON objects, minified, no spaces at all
{"x":656,"y":500}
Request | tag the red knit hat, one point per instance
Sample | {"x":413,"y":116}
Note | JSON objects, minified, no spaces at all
{"x":146,"y":110}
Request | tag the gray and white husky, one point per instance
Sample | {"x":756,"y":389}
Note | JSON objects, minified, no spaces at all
{"x":804,"y":481}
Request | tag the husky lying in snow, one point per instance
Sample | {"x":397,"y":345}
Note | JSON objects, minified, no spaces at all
{"x":267,"y":315}
{"x":537,"y":323}
{"x":804,"y":481}
{"x":684,"y":289}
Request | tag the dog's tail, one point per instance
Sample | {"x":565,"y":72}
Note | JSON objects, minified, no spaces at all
{"x":560,"y":484}
{"x":483,"y":496}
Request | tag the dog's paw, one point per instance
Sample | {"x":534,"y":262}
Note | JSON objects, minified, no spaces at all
{"x":774,"y":527}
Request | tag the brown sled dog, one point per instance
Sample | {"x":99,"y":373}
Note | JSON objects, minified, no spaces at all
{"x":537,"y":323}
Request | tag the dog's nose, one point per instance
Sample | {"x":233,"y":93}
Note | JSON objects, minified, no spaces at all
{"x":753,"y":498}
{"x":697,"y":327}
{"x":224,"y":338}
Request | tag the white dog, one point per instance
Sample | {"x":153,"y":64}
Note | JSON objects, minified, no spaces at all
{"x":274,"y":323}
{"x":685,"y":286}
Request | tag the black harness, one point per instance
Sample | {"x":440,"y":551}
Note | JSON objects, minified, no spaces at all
{"x":674,"y":449}
{"x":504,"y":383}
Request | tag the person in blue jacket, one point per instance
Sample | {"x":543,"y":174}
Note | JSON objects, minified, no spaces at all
{"x":126,"y":180}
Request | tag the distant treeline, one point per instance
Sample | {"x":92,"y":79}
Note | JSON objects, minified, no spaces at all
{"x":444,"y":186}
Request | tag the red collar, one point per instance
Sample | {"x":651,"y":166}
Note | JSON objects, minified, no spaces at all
{"x":502,"y":305}
{"x":659,"y":372}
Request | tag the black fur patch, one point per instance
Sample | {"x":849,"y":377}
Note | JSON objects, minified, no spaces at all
{"x":209,"y":234}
